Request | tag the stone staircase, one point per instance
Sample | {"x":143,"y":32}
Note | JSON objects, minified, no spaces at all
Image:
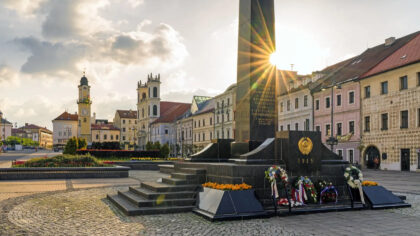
{"x":174,"y":194}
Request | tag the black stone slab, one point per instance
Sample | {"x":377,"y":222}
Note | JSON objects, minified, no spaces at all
{"x":216,"y":204}
{"x":217,"y":151}
{"x":380,"y":197}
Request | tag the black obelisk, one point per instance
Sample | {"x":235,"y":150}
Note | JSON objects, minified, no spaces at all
{"x":255,"y":98}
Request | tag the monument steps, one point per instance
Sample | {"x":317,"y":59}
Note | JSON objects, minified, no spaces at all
{"x":162,"y":187}
{"x":174,"y":194}
{"x":130,"y":209}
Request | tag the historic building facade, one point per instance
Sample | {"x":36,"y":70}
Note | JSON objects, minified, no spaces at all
{"x":203,"y":125}
{"x":148,"y":107}
{"x":225,"y":105}
{"x":105,"y":133}
{"x":84,"y":106}
{"x":42,"y":135}
{"x":5,"y":128}
{"x":65,"y":126}
{"x":184,"y":135}
{"x":126,"y":122}
{"x":391,"y":110}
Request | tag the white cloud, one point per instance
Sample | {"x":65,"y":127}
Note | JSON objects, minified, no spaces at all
{"x":25,"y":8}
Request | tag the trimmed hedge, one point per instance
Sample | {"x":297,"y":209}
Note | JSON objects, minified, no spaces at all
{"x":62,"y":161}
{"x":115,"y":154}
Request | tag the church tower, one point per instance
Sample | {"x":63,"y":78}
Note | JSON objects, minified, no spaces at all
{"x":84,"y":103}
{"x":153,"y":85}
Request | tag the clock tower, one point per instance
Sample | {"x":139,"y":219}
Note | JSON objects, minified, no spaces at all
{"x":84,"y":103}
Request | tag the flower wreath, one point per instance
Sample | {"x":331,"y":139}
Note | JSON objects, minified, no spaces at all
{"x":303,"y":187}
{"x":272,"y":174}
{"x":354,"y":179}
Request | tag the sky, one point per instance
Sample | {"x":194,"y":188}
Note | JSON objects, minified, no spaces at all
{"x":45,"y":45}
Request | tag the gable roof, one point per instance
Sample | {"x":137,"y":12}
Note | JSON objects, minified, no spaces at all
{"x":207,"y":106}
{"x":170,"y":111}
{"x":127,"y":114}
{"x":32,"y":126}
{"x":4,"y":121}
{"x":201,"y":101}
{"x":408,"y":54}
{"x":67,"y":116}
{"x":354,"y":69}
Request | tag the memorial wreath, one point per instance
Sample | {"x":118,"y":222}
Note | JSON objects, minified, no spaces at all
{"x":302,"y":188}
{"x":354,"y":178}
{"x":273,"y":174}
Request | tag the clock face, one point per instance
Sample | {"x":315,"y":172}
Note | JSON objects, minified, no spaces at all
{"x":84,"y":112}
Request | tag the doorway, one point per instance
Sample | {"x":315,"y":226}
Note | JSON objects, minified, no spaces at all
{"x":405,"y":159}
{"x":372,"y":154}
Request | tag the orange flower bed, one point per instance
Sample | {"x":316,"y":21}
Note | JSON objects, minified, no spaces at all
{"x":233,"y":187}
{"x":369,"y":183}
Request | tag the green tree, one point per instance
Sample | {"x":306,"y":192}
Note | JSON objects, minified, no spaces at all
{"x":156,"y":145}
{"x":71,"y":146}
{"x":149,"y":146}
{"x":164,"y":150}
{"x":82,"y":143}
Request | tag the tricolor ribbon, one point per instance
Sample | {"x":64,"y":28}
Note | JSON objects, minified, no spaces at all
{"x":327,"y":189}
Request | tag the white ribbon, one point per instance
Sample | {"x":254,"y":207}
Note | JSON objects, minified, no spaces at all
{"x":361,"y":193}
{"x":274,"y":191}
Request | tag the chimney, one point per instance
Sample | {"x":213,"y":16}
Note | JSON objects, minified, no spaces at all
{"x":26,"y":124}
{"x":389,"y":41}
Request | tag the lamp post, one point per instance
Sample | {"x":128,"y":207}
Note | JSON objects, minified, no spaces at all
{"x":332,"y":140}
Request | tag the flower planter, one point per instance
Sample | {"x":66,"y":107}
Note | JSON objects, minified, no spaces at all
{"x":216,"y":204}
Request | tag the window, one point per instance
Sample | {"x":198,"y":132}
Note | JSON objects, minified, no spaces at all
{"x":217,"y":133}
{"x":59,"y":133}
{"x":228,"y":133}
{"x":155,"y":92}
{"x":228,"y":116}
{"x":367,"y":123}
{"x":155,"y":110}
{"x":351,"y":155}
{"x":195,"y":123}
{"x":327,"y":102}
{"x":195,"y":137}
{"x":218,"y":121}
{"x":327,"y":130}
{"x":123,"y":129}
{"x":351,"y":127}
{"x":296,"y":103}
{"x":123,"y":121}
{"x":317,"y":105}
{"x":116,"y":137}
{"x":105,"y":136}
{"x":84,"y":120}
{"x":418,"y":82}
{"x":340,"y":152}
{"x":351,"y":97}
{"x":367,"y":92}
{"x":281,"y":126}
{"x":281,"y":107}
{"x":204,"y":122}
{"x":211,"y":135}
{"x":305,"y":100}
{"x":112,"y":137}
{"x":307,"y":125}
{"x":418,"y":117}
{"x":296,"y":126}
{"x":288,"y":127}
{"x":318,"y":128}
{"x":403,"y":83}
{"x":404,"y":119}
{"x":166,"y":131}
{"x":288,"y":105}
{"x":211,"y":121}
{"x":204,"y":136}
{"x":338,"y":99}
{"x":123,"y":138}
{"x":148,"y":110}
{"x":384,"y":121}
{"x":339,"y":129}
{"x":97,"y":136}
{"x":129,"y":121}
{"x":199,"y":123}
{"x":228,"y":101}
{"x":384,"y":87}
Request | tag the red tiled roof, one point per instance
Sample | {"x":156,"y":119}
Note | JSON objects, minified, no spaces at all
{"x":67,"y":116}
{"x":18,"y":131}
{"x":32,"y":126}
{"x":362,"y":63}
{"x":127,"y":114}
{"x":409,"y":53}
{"x":169,"y":111}
{"x":103,"y":127}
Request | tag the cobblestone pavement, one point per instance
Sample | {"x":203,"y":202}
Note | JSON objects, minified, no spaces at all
{"x":85,"y":211}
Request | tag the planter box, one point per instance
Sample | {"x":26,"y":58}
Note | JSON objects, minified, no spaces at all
{"x":143,"y":165}
{"x":216,"y":204}
{"x":63,"y":173}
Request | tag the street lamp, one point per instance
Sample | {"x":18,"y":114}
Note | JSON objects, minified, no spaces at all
{"x":332,"y":140}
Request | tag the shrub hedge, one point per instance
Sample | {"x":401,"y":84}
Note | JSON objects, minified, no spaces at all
{"x":115,"y":154}
{"x":62,"y":161}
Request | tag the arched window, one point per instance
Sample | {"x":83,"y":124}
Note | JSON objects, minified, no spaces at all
{"x":142,"y":112}
{"x":154,"y":110}
{"x":155,"y":95}
{"x":149,"y":93}
{"x":143,"y":96}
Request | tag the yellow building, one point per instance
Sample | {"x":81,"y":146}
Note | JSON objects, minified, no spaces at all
{"x":104,"y":133}
{"x":42,"y":135}
{"x":126,"y":121}
{"x":391,"y":110}
{"x":203,"y":125}
{"x":84,"y":104}
{"x":148,"y":107}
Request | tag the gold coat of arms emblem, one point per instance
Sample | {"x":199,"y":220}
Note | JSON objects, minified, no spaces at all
{"x":305,"y":145}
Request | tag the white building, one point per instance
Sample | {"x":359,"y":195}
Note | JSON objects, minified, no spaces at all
{"x":64,"y":127}
{"x":5,"y":128}
{"x":225,"y":105}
